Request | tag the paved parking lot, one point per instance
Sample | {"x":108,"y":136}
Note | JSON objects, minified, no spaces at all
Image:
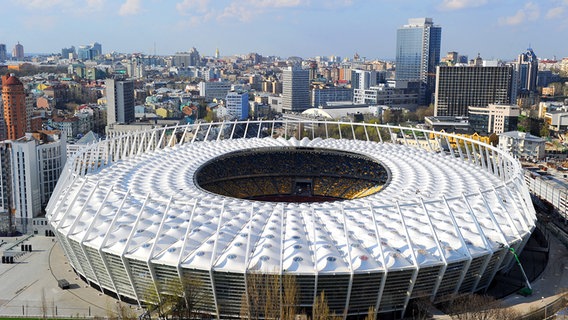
{"x":29,"y":287}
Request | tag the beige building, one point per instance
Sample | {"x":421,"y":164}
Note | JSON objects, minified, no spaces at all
{"x":495,"y":118}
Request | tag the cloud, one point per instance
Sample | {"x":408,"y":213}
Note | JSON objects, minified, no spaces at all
{"x":461,"y":4}
{"x":130,"y":7}
{"x":42,"y":4}
{"x":529,"y":12}
{"x":186,"y":6}
{"x":95,"y":5}
{"x":247,"y":10}
{"x":272,"y":3}
{"x":42,"y":22}
{"x":554,"y":13}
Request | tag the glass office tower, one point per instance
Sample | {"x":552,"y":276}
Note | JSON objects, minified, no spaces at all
{"x":418,"y":54}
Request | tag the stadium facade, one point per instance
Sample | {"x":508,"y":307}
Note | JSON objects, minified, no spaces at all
{"x":134,"y":215}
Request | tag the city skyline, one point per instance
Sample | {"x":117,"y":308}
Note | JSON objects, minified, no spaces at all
{"x":497,"y":29}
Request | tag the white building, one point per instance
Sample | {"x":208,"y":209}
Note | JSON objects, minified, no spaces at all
{"x":495,"y":118}
{"x":37,"y":161}
{"x":237,"y":105}
{"x":214,"y":89}
{"x":385,"y":94}
{"x":522,"y":145}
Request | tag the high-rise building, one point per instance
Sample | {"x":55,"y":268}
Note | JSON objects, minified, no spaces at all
{"x":6,"y":200}
{"x":120,"y":101}
{"x":295,"y":89}
{"x":418,"y":54}
{"x":18,"y":52}
{"x":90,"y":51}
{"x":527,"y":70}
{"x":187,"y":59}
{"x":37,"y":161}
{"x":3,"y":52}
{"x":460,"y":87}
{"x":362,"y":79}
{"x":67,"y":53}
{"x":237,"y":105}
{"x":14,"y":101}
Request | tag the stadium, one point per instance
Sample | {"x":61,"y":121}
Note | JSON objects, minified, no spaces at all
{"x":371,"y":215}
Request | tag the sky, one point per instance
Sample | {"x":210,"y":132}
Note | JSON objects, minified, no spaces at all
{"x":496,"y":29}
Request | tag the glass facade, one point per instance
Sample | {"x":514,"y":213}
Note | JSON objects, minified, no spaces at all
{"x":418,"y":54}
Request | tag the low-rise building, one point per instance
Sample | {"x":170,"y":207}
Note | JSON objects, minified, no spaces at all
{"x":522,"y":145}
{"x":495,"y":118}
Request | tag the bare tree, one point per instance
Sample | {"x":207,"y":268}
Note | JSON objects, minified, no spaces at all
{"x":371,"y":314}
{"x":479,"y":307}
{"x":320,"y":310}
{"x":289,"y":307}
{"x":43,"y":305}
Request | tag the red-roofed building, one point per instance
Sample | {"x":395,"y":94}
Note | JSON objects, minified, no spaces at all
{"x":14,"y":103}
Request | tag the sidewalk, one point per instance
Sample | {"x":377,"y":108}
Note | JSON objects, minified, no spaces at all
{"x":549,"y":286}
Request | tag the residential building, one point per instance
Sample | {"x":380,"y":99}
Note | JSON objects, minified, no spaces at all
{"x":37,"y":161}
{"x":6,"y":199}
{"x":557,"y":120}
{"x":120,"y":101}
{"x":394,"y":96}
{"x":14,"y":105}
{"x":18,"y":52}
{"x":237,"y":105}
{"x":295,"y":89}
{"x":522,"y":145}
{"x":320,"y":96}
{"x":494,"y":118}
{"x":214,"y":89}
{"x":418,"y":54}
{"x":186,"y":59}
{"x":460,"y":87}
{"x":68,"y":53}
{"x":3,"y":52}
{"x":363,"y":79}
{"x":69,"y":126}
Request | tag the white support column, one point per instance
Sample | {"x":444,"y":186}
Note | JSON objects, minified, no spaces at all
{"x":459,"y":235}
{"x":353,"y":130}
{"x":379,"y":133}
{"x":125,"y":263}
{"x":349,"y":260}
{"x":196,"y":132}
{"x":71,"y":205}
{"x":220,"y":130}
{"x":181,"y":257}
{"x":103,"y":244}
{"x":486,"y":243}
{"x":206,"y":138}
{"x":153,"y":247}
{"x":213,"y":258}
{"x":412,"y":255}
{"x":247,"y":254}
{"x":185,"y":130}
{"x":440,"y":250}
{"x":246,"y":129}
{"x":382,"y":257}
